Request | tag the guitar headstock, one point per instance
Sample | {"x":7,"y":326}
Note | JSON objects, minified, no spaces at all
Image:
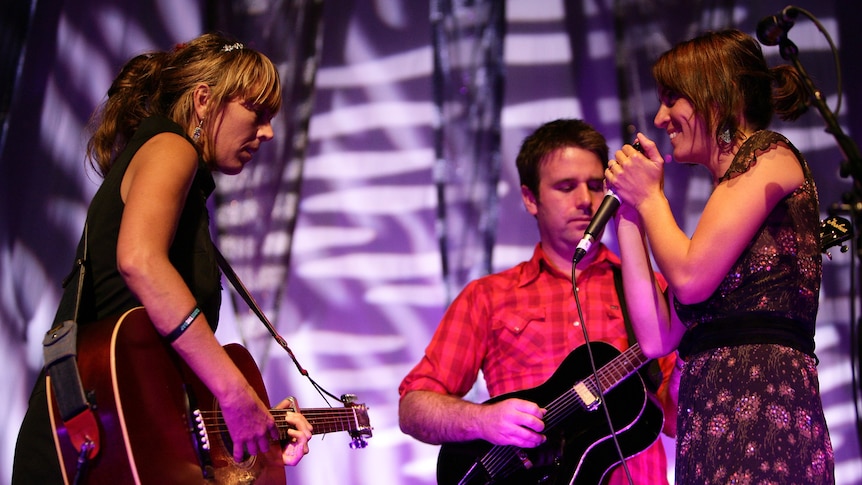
{"x":363,"y":428}
{"x":834,"y":231}
{"x":352,"y":418}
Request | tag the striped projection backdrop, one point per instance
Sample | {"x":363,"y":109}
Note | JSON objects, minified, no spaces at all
{"x":363,"y":286}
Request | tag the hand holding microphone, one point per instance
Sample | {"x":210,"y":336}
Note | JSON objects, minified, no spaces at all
{"x":606,"y":211}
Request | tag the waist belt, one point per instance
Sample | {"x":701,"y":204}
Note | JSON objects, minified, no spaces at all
{"x":748,"y":329}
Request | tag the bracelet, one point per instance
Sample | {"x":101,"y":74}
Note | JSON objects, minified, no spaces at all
{"x":182,"y":327}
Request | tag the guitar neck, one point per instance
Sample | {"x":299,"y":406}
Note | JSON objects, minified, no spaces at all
{"x":322,"y":420}
{"x":621,"y":367}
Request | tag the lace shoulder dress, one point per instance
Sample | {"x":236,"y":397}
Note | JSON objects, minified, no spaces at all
{"x":749,"y":403}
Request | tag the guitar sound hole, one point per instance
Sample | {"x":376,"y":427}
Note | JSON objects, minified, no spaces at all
{"x":247,"y":460}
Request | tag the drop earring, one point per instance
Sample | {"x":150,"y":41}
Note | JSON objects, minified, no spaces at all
{"x":198,"y":130}
{"x":725,"y":136}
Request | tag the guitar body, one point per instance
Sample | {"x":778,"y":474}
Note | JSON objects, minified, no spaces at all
{"x":579,"y":449}
{"x":142,"y":390}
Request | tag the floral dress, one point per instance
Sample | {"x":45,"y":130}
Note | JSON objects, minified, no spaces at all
{"x":749,"y":404}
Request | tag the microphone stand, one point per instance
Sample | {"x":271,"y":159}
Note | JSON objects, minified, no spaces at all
{"x":850,"y":166}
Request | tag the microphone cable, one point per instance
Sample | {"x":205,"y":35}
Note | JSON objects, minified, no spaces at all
{"x":608,"y":207}
{"x":595,"y":372}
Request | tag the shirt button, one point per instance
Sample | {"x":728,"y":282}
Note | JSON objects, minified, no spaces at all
{"x":576,"y":323}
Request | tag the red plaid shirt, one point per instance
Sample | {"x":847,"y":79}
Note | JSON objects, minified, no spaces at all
{"x":518,"y":326}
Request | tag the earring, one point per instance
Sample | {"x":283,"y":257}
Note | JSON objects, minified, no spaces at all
{"x":197,"y":133}
{"x":725,"y":136}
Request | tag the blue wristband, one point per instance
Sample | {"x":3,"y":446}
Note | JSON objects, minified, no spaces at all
{"x":181,"y":328}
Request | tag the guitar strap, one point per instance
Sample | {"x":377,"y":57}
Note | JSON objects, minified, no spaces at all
{"x":652,"y":372}
{"x":61,"y":362}
{"x":250,"y":301}
{"x":252,"y":304}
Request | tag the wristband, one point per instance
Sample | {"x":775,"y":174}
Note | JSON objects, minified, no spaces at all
{"x":182,"y":327}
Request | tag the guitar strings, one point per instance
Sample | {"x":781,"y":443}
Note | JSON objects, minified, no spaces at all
{"x":327,"y":420}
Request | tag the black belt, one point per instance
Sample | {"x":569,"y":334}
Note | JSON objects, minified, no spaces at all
{"x":745,"y":330}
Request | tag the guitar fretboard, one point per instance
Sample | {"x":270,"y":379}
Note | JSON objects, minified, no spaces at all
{"x":324,"y":420}
{"x":618,"y":369}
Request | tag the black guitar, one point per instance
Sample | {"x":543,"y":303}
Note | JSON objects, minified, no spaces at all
{"x":580,"y":447}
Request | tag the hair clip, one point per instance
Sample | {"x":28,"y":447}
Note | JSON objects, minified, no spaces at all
{"x":232,"y":47}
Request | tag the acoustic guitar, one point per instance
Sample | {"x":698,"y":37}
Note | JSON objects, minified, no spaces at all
{"x":160,"y":425}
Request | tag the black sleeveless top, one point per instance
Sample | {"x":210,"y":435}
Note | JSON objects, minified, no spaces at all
{"x":770,"y":294}
{"x":192,"y":253}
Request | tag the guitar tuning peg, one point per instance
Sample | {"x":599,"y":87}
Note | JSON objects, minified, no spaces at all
{"x":843,"y":248}
{"x":358,"y":443}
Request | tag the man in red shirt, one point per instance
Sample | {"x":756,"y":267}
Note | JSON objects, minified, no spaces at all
{"x":518,"y":326}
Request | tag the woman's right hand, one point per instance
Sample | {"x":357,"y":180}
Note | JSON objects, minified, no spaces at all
{"x":250,"y":424}
{"x":635,"y":176}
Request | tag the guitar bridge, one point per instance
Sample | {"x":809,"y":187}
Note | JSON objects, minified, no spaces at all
{"x":198,"y":433}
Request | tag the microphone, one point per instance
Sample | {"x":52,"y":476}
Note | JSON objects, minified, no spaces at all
{"x":609,"y":206}
{"x":607,"y":209}
{"x":772,"y":29}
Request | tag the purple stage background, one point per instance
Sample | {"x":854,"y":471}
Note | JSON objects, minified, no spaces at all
{"x":337,"y":230}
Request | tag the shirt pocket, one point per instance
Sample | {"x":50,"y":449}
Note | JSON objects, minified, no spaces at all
{"x":526,"y":340}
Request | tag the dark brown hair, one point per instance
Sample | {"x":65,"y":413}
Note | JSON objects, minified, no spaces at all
{"x":551,"y":136}
{"x":725,"y":77}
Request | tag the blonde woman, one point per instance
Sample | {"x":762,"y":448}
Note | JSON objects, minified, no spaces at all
{"x":170,"y":120}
